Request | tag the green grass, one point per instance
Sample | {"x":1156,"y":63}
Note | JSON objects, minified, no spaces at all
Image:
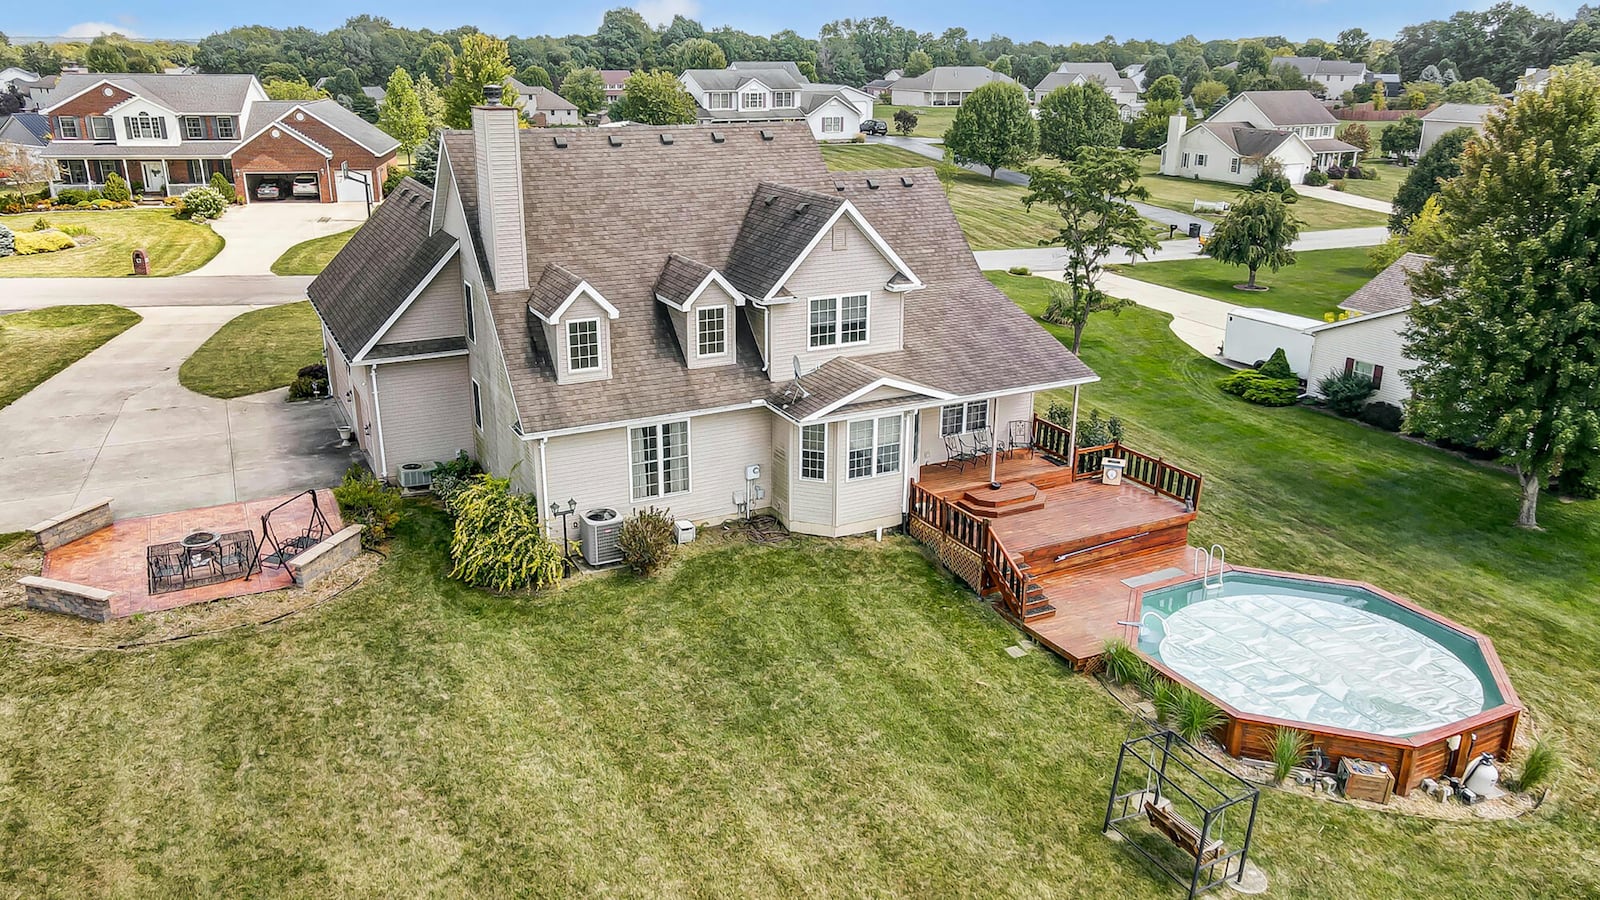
{"x":1384,"y":187}
{"x":258,"y":351}
{"x":175,"y":245}
{"x":1180,"y":193}
{"x":37,"y":344}
{"x":311,"y":257}
{"x":932,"y":122}
{"x":990,"y":212}
{"x":1317,"y":283}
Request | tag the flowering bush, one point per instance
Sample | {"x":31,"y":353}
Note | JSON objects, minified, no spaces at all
{"x":203,"y":202}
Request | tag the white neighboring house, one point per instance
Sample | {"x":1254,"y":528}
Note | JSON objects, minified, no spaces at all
{"x":11,"y":75}
{"x":776,"y":92}
{"x":1292,"y":127}
{"x":1135,"y":74}
{"x":1335,"y":75}
{"x":535,"y":101}
{"x":1123,"y":90}
{"x":1450,"y":116}
{"x":1370,"y":342}
{"x":944,"y":85}
{"x":1533,"y":80}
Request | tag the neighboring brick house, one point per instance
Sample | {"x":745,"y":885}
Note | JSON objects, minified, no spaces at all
{"x":168,"y":133}
{"x":729,"y":327}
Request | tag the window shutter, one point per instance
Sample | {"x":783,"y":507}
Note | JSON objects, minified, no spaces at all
{"x":1349,"y":365}
{"x":1377,"y":377}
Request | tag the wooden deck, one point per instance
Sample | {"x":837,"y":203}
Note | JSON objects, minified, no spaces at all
{"x":1075,"y":540}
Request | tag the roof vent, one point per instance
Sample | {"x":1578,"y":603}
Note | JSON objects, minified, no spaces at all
{"x":718,"y":137}
{"x":666,"y":139}
{"x":906,"y":181}
{"x":766,"y":134}
{"x":561,"y":143}
{"x":801,"y":209}
{"x":872,"y":184}
{"x":771,"y":199}
{"x":615,"y":140}
{"x":838,"y":185}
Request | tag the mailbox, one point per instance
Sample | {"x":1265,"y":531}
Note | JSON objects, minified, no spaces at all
{"x":141,"y":262}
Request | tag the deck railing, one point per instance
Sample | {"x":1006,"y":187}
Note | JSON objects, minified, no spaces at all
{"x":1152,"y":472}
{"x":1000,"y":572}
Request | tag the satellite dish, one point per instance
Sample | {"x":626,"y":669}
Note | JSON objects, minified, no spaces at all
{"x":797,"y":367}
{"x":799,"y":391}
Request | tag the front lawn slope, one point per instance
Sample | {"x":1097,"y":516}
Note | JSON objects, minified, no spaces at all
{"x":258,"y":351}
{"x":36,"y":344}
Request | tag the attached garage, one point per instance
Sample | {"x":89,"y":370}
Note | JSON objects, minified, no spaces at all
{"x":312,"y":140}
{"x":285,"y":182}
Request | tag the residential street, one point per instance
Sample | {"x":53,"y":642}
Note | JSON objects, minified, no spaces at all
{"x":1047,"y":258}
{"x":182,"y":290}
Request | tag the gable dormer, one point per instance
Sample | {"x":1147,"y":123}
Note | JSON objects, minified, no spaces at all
{"x":703,"y":308}
{"x":576,"y":321}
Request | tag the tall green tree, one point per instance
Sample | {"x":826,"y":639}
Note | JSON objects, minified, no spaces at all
{"x":1477,"y":90}
{"x":1077,"y":116}
{"x":1254,"y":58}
{"x":699,"y":53}
{"x":994,"y":128}
{"x":1401,"y":138}
{"x":1167,"y":87}
{"x":654,"y":98}
{"x":1091,"y":194}
{"x":431,"y":101}
{"x":535,"y":76}
{"x":585,"y":89}
{"x":281,"y":89}
{"x":1256,"y":232}
{"x":482,"y":61}
{"x":1440,"y":163}
{"x":1508,"y":355}
{"x":1353,"y":44}
{"x":918,"y":63}
{"x":435,"y":61}
{"x":401,"y":116}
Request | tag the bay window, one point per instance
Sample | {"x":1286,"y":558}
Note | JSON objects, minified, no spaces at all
{"x":659,"y":458}
{"x":814,"y":452}
{"x":874,"y":447}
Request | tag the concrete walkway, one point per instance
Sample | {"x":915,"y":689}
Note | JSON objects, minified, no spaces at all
{"x":117,"y":423}
{"x":259,"y":233}
{"x":1198,"y":321}
{"x":182,"y":290}
{"x":1344,"y":199}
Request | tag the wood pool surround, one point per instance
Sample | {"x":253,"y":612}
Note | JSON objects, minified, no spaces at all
{"x":1054,"y":549}
{"x":1411,"y":759}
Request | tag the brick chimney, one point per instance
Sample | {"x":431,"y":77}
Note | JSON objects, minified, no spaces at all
{"x":499,"y":159}
{"x":1170,"y":156}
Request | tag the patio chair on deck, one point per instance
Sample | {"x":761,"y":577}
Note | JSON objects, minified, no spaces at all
{"x":982,"y":442}
{"x":955,"y":454}
{"x":1020,"y":436}
{"x":238,"y":553}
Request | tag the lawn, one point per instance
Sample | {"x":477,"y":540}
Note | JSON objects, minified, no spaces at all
{"x":175,"y":245}
{"x":1384,"y":187}
{"x":311,"y":257}
{"x":990,"y":212}
{"x":37,"y":344}
{"x":1180,"y":193}
{"x":932,"y":122}
{"x":1317,"y":283}
{"x":258,"y":351}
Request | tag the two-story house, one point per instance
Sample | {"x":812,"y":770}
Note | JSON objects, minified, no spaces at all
{"x":615,"y":81}
{"x":729,"y":327}
{"x":542,"y":106}
{"x":167,"y":133}
{"x":776,"y":92}
{"x":1123,"y":90}
{"x":1291,"y":127}
{"x":1336,"y":76}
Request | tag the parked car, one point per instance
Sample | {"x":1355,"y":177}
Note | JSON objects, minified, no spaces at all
{"x":268,"y":190}
{"x":305,"y":186}
{"x":874,"y":126}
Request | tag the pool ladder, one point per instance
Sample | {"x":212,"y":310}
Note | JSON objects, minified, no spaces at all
{"x":1206,"y":560}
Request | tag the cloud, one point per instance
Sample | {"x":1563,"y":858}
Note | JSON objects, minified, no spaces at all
{"x":660,"y":12}
{"x":89,"y":30}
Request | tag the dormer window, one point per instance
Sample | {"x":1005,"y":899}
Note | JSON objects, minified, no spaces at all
{"x":720,"y":100}
{"x":66,"y":127}
{"x":100,"y":128}
{"x":782,"y":99}
{"x":145,"y":127}
{"x":194,"y":128}
{"x":711,"y":330}
{"x":755,"y":100}
{"x":583,"y":345}
{"x":227,"y":129}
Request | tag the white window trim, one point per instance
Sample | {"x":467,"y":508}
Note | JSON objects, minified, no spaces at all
{"x":966,"y":419}
{"x":838,"y":321}
{"x":712,"y":98}
{"x":877,"y":446}
{"x":627,"y":437}
{"x":599,"y":347}
{"x":827,"y":120}
{"x":802,"y":454}
{"x":1234,"y":166}
{"x":1371,"y":368}
{"x":477,"y":406}
{"x":727,"y":344}
{"x":61,"y":130}
{"x":790,"y":95}
{"x":472,"y":319}
{"x":762,"y":100}
{"x":111,"y":128}
{"x":232,"y":130}
{"x":1199,"y":160}
{"x":1186,"y":160}
{"x":198,"y":122}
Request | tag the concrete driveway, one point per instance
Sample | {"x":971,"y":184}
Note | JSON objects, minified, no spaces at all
{"x":257,"y":234}
{"x":139,"y":293}
{"x":118,"y":424}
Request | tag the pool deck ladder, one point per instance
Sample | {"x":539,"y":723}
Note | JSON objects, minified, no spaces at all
{"x":1205,"y":560}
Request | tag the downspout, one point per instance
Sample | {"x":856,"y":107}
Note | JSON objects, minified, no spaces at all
{"x":377,"y":420}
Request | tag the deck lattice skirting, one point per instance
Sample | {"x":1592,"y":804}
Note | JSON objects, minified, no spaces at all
{"x":964,"y":562}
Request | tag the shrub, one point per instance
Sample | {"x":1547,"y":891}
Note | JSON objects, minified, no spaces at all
{"x":460,"y":466}
{"x":1164,"y":696}
{"x":365,"y":500}
{"x":30,"y":242}
{"x":1193,"y":715}
{"x":74,"y":196}
{"x":646,"y":540}
{"x":392,"y":180}
{"x":1355,"y":172}
{"x":1383,"y":415}
{"x":905,"y":121}
{"x":1277,"y":365}
{"x":1256,"y":388}
{"x":498,"y":543}
{"x":224,"y":187}
{"x":1539,"y":766}
{"x":103,"y":204}
{"x":1335,"y":172}
{"x":203,"y":202}
{"x":8,"y":243}
{"x":1123,"y":665}
{"x":315,"y":370}
{"x":452,"y":477}
{"x":1316,"y":178}
{"x":1345,"y":392}
{"x":11,"y":206}
{"x":1019,"y":270}
{"x":1093,"y":430}
{"x":1288,"y":747}
{"x":303,"y":388}
{"x":116,"y":188}
{"x":74,"y":230}
{"x":42,"y":224}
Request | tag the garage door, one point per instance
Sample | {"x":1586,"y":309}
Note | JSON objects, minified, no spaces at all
{"x":349,"y":188}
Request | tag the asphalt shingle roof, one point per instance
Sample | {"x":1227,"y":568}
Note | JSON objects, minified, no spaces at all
{"x":1247,"y":141}
{"x":556,"y":283}
{"x":1285,"y":108}
{"x":1103,"y":72}
{"x":680,"y":278}
{"x":1390,"y":289}
{"x":778,"y":226}
{"x":368,"y":135}
{"x":951,"y":78}
{"x":188,"y":94}
{"x":381,"y":265}
{"x":1465,"y":113}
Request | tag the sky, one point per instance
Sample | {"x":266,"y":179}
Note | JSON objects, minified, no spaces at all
{"x":1163,"y":20}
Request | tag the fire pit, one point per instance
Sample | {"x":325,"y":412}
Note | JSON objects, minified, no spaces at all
{"x":199,"y":540}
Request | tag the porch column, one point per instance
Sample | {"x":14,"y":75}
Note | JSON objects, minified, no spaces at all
{"x":994,"y":443}
{"x":1072,"y":436}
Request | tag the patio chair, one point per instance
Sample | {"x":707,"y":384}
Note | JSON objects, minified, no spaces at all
{"x":166,"y":567}
{"x":238,"y":552}
{"x":1020,"y":436}
{"x":955,"y":453}
{"x":982,"y":442}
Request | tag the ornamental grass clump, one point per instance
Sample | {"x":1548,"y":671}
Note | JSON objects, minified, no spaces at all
{"x":1123,"y":665}
{"x":647,"y":540}
{"x":1538,"y":767}
{"x":1288,"y":747}
{"x":498,"y":543}
{"x":1193,"y":715}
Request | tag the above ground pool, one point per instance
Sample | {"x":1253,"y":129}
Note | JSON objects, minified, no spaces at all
{"x":1322,"y":653}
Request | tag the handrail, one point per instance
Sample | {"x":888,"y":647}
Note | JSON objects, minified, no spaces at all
{"x":1152,"y":472}
{"x":1000,"y":570}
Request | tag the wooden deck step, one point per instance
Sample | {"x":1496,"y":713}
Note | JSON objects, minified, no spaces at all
{"x":1010,"y":498}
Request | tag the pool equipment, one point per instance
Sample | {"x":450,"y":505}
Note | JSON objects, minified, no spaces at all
{"x":1482,"y":780}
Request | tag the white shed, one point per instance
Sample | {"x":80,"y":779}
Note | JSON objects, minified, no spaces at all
{"x":1253,"y":334}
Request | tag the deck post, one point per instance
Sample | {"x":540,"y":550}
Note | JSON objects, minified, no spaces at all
{"x":1072,"y":435}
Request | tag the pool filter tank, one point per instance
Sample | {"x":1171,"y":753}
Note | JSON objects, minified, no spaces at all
{"x":1483,"y":778}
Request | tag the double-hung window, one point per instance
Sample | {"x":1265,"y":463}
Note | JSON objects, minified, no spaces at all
{"x":711,"y":330}
{"x":194,"y":128}
{"x":782,"y":99}
{"x":226,"y":128}
{"x":874,"y":447}
{"x":959,"y":417}
{"x":67,"y":127}
{"x":1233,"y":166}
{"x":583,"y":345}
{"x":1199,"y":160}
{"x":466,"y":300}
{"x":838,"y":321}
{"x":1364,"y":369}
{"x":721,"y":100}
{"x":100,"y":128}
{"x":659,"y":457}
{"x":477,"y":406}
{"x":814,"y":452}
{"x":833,"y":124}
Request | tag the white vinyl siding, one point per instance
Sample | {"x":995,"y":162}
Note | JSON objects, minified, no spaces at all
{"x":857,"y":269}
{"x":424,"y":420}
{"x":1372,"y":340}
{"x":437,"y":312}
{"x":659,"y":460}
{"x":930,"y":439}
{"x":838,"y":321}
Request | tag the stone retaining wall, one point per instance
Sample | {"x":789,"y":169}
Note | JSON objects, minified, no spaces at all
{"x":327,"y":556}
{"x":74,"y":524}
{"x":67,"y":598}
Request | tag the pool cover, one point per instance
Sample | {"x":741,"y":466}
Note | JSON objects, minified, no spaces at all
{"x":1318,"y":662}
